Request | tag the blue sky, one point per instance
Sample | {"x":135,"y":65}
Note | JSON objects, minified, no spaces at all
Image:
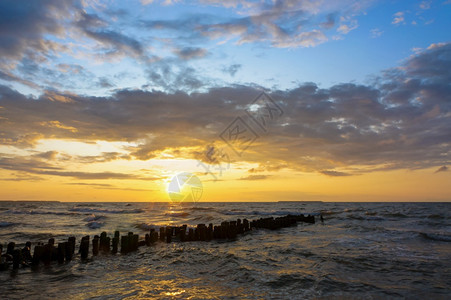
{"x":99,"y":47}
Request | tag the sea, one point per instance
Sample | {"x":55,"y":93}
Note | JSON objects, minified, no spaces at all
{"x":360,"y":251}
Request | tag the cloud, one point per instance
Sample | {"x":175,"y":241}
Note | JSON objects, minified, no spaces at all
{"x":255,"y":177}
{"x":425,"y":5}
{"x":399,"y":121}
{"x":35,"y":166}
{"x":330,"y":22}
{"x":376,"y":32}
{"x":24,"y":27}
{"x":108,"y":187}
{"x":398,"y":18}
{"x":442,"y":169}
{"x":190,"y":53}
{"x":334,"y":173}
{"x":280,"y":24}
{"x":346,"y":28}
{"x":232,"y":69}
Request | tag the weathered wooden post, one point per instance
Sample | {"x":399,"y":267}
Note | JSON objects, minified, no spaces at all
{"x":246,"y":225}
{"x":125,"y":244}
{"x":26,"y":252}
{"x":68,"y":251}
{"x":182,"y":233}
{"x":95,"y":245}
{"x":37,"y":254}
{"x":71,"y":241}
{"x":116,"y":239}
{"x":162,"y":233}
{"x":84,"y":247}
{"x":62,"y":252}
{"x":209,"y":235}
{"x":239,"y":226}
{"x":147,"y":239}
{"x":153,"y":236}
{"x":17,"y":258}
{"x":135,"y":240}
{"x":104,"y":243}
{"x":168,"y":234}
{"x":10,"y":248}
{"x":191,"y":234}
{"x":115,"y":244}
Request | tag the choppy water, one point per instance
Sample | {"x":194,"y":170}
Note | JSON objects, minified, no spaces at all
{"x":363,"y":250}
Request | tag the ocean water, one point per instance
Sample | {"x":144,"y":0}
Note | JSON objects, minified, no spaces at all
{"x":361,"y":251}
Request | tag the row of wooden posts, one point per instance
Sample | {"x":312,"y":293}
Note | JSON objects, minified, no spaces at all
{"x":64,"y":251}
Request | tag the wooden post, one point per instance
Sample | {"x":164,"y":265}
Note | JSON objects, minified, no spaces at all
{"x":95,"y":245}
{"x":68,"y":251}
{"x":162,"y":234}
{"x":191,"y":234}
{"x":71,"y":241}
{"x":62,"y":252}
{"x":37,"y":255}
{"x":125,"y":244}
{"x":26,"y":253}
{"x":135,"y":240}
{"x":115,"y":244}
{"x":246,"y":225}
{"x":17,"y":258}
{"x":84,"y":247}
{"x":168,"y":234}
{"x":10,"y":248}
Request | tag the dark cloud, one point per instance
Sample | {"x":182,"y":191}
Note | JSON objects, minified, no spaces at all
{"x":330,"y":21}
{"x":232,"y":69}
{"x":174,"y":76}
{"x":442,"y":169}
{"x":104,"y":157}
{"x":115,"y":42}
{"x":104,"y":83}
{"x":23,"y":27}
{"x":255,"y":177}
{"x":39,"y":167}
{"x":334,"y":173}
{"x":188,"y":53}
{"x":49,"y":155}
{"x":108,"y":187}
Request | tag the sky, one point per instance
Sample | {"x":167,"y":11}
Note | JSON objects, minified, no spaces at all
{"x":104,"y":100}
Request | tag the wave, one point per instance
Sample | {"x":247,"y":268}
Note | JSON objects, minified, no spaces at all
{"x":88,"y":205}
{"x":95,"y":224}
{"x":436,"y":237}
{"x":107,"y":211}
{"x":202,"y":208}
{"x":40,"y":212}
{"x":177,"y":214}
{"x":266,"y":213}
{"x":436,"y":216}
{"x":6,"y":224}
{"x":93,"y":217}
{"x":396,"y":215}
{"x":370,"y":213}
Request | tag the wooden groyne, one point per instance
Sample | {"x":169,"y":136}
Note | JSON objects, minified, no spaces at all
{"x":65,"y":251}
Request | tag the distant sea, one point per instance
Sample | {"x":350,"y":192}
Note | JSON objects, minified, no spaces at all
{"x":361,"y":251}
